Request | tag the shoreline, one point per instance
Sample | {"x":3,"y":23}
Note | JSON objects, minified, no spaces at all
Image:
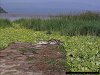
{"x":14,"y":16}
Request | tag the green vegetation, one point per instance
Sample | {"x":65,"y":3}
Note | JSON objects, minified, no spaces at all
{"x":84,"y":24}
{"x":82,"y":51}
{"x":4,"y":23}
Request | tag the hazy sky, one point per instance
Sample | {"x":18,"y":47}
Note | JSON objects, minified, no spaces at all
{"x":49,"y":5}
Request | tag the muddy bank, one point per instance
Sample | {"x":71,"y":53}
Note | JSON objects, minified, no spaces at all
{"x":43,"y":58}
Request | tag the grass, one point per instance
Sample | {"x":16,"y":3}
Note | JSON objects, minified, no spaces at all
{"x":84,"y":24}
{"x":80,"y":35}
{"x":64,"y":26}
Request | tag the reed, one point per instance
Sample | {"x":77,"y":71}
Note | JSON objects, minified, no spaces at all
{"x":71,"y":25}
{"x":83,"y":24}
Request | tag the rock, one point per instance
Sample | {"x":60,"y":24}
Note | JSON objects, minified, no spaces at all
{"x":42,"y":43}
{"x":55,"y":42}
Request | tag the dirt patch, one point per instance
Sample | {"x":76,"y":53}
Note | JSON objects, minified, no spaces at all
{"x":32,"y":59}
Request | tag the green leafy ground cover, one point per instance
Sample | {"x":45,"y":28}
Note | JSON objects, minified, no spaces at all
{"x":83,"y":52}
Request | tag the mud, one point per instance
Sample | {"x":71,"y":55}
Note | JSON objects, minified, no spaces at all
{"x":32,"y":59}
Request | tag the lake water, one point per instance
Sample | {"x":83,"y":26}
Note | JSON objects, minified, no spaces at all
{"x":49,"y":7}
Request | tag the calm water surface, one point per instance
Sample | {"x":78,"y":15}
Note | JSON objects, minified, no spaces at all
{"x":49,"y":7}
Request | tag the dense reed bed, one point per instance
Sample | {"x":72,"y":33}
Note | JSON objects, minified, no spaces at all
{"x":83,"y":24}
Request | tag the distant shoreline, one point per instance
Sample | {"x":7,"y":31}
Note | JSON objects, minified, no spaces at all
{"x":13,"y":16}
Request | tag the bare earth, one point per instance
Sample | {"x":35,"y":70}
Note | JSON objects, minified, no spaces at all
{"x":32,"y":59}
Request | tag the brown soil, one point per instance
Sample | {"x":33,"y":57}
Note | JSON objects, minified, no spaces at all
{"x":28,"y":59}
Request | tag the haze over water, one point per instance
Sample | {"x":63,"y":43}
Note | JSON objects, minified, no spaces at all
{"x":49,"y":6}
